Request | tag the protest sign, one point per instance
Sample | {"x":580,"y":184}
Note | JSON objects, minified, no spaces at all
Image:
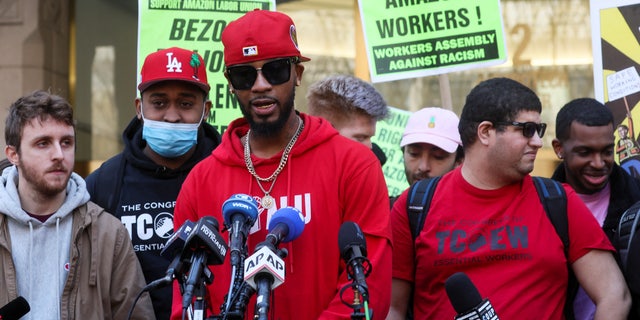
{"x":196,"y":25}
{"x":388,"y":135}
{"x":415,"y":38}
{"x":623,"y":83}
{"x":615,"y":46}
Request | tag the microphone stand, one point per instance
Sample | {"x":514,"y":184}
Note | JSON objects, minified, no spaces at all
{"x":243,"y":299}
{"x":236,"y":300}
{"x":199,"y":305}
{"x":264,"y":291}
{"x":360,"y":304}
{"x":357,"y":306}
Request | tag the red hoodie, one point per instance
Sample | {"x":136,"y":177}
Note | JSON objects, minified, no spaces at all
{"x":331,"y":179}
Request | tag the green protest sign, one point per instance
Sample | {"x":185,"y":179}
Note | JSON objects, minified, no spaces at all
{"x":388,"y":135}
{"x":196,"y":25}
{"x":416,"y":38}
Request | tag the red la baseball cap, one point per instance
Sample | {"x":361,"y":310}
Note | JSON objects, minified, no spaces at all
{"x":174,"y":64}
{"x":260,"y":35}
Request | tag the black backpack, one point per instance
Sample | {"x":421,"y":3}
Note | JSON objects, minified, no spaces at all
{"x":626,"y":239}
{"x":627,"y":243}
{"x":552,"y":196}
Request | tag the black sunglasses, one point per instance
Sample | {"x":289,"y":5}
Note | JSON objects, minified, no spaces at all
{"x":528,"y":128}
{"x":276,"y":72}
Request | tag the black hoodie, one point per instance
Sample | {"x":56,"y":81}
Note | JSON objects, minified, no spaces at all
{"x":625,"y":192}
{"x":142,"y":195}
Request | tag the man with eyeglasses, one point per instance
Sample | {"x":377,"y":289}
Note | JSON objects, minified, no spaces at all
{"x":486,"y":220}
{"x":585,"y":144}
{"x":281,"y":158}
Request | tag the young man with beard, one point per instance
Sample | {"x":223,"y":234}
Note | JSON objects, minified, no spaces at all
{"x":431,"y":144}
{"x":486,"y":220}
{"x":163,"y":142}
{"x":585,"y":144}
{"x":65,"y":255}
{"x":431,"y":147}
{"x":282,"y":157}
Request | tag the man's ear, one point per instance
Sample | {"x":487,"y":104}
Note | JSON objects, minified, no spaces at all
{"x":299,"y":70}
{"x":231,"y":89}
{"x":138,"y":103}
{"x":207,"y":110}
{"x":557,"y":148}
{"x":12,"y":154}
{"x":485,"y":132}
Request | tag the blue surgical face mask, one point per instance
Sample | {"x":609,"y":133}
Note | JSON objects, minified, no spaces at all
{"x":170,"y":140}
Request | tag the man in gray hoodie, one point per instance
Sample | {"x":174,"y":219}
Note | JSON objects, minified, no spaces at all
{"x":65,"y":255}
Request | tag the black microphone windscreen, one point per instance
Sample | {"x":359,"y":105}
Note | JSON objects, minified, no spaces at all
{"x":212,"y":222}
{"x":175,"y":243}
{"x":351,"y":235}
{"x":15,"y":309}
{"x":463,"y":295}
{"x":205,"y":237}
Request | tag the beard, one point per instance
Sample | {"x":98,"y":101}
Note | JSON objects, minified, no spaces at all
{"x":267,"y":129}
{"x":42,"y":186}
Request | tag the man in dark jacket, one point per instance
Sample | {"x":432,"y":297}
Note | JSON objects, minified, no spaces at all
{"x":165,"y":140}
{"x":585,"y":143}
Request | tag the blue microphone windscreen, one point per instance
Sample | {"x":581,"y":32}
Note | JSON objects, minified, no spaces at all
{"x":240,"y":203}
{"x":290,"y":216}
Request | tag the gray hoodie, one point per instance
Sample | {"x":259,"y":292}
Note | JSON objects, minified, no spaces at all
{"x":40,"y":251}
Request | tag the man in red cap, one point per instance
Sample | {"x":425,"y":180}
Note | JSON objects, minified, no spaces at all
{"x":281,"y":158}
{"x":163,"y":142}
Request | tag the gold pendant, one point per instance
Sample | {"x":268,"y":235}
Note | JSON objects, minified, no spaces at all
{"x":267,"y":201}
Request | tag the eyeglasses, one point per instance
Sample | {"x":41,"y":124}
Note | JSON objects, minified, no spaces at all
{"x":275,"y":71}
{"x":528,"y":128}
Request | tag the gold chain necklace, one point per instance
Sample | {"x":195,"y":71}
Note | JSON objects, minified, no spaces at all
{"x":267,"y":200}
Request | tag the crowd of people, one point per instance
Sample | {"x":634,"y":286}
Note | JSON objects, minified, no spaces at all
{"x":92,"y":248}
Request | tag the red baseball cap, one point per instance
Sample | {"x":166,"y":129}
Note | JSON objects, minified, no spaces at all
{"x":260,"y":35}
{"x":174,"y":64}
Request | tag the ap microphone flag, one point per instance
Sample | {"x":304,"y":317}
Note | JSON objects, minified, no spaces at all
{"x":286,"y":225}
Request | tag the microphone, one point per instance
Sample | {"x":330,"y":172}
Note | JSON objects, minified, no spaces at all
{"x":285,"y":225}
{"x":15,"y":309}
{"x":240,"y":212}
{"x":173,"y":249}
{"x":264,"y":269}
{"x":353,"y":249}
{"x":466,"y":299}
{"x":205,"y":246}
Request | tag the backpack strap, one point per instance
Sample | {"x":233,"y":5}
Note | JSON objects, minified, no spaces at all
{"x":554,"y":200}
{"x":418,"y":203}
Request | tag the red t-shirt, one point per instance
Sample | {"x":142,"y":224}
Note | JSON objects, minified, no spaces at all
{"x":502,"y":239}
